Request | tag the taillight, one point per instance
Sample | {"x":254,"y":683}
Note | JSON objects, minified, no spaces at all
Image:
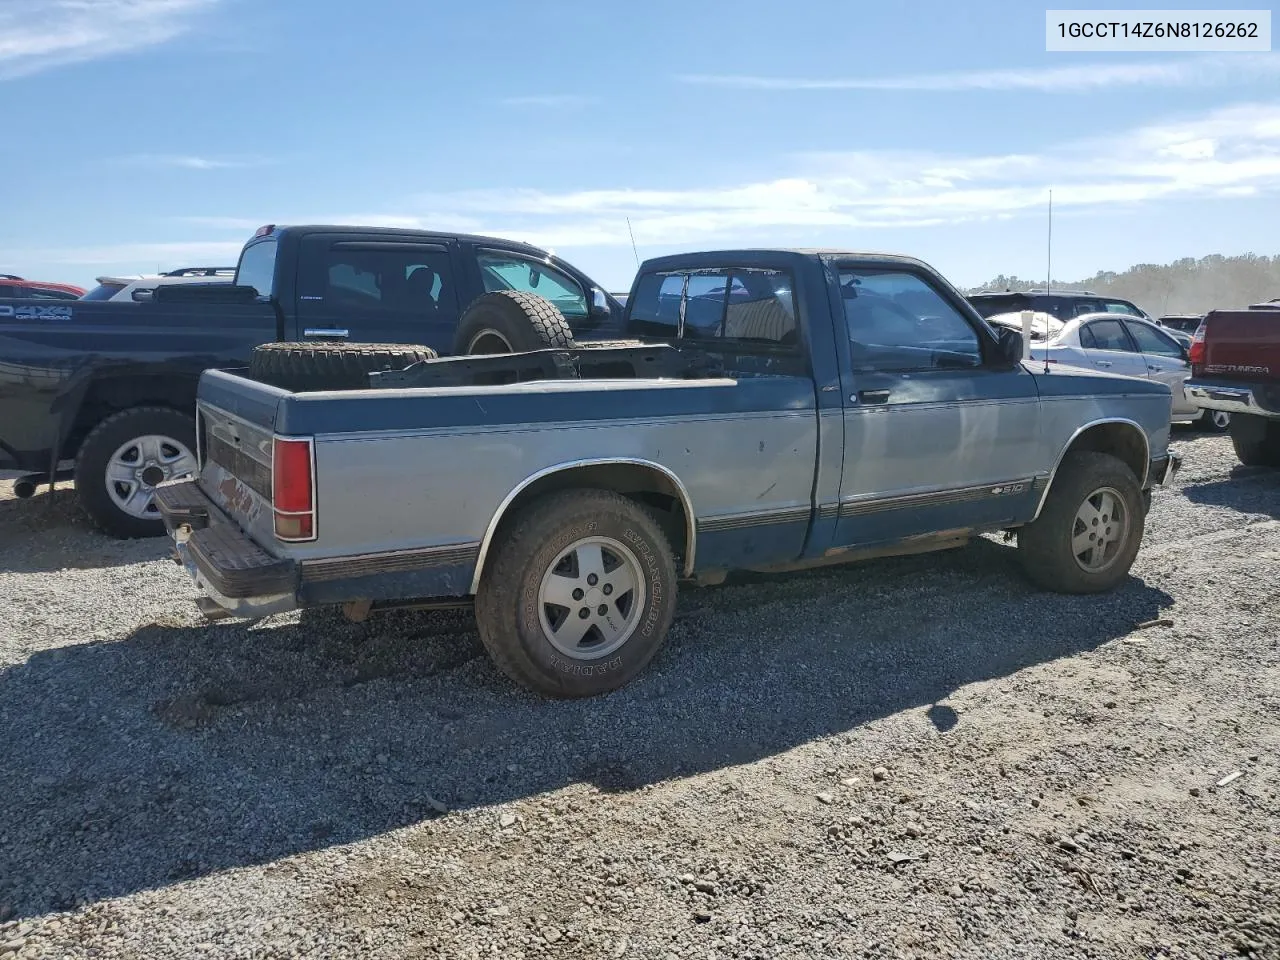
{"x":1196,"y":353}
{"x":293,"y":491}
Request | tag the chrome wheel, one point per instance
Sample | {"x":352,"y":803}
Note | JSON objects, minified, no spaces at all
{"x":591,"y":598}
{"x":1100,"y":531}
{"x":1220,"y":419}
{"x":489,"y":341}
{"x":139,"y":466}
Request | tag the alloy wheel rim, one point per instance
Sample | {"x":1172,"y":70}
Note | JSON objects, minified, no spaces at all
{"x":139,"y":465}
{"x":591,"y":598}
{"x":1100,"y":530}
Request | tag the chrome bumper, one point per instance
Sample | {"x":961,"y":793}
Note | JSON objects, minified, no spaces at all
{"x":1165,"y":469}
{"x":1229,"y":399}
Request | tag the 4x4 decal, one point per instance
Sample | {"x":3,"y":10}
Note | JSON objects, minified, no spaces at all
{"x":36,"y":313}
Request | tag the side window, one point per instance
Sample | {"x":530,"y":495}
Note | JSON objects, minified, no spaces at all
{"x":258,"y":267}
{"x":1120,"y":306}
{"x":898,"y":322}
{"x":506,"y":271}
{"x":1152,"y":341}
{"x":1106,"y":335}
{"x":392,"y":278}
{"x":8,"y":290}
{"x":39,"y":293}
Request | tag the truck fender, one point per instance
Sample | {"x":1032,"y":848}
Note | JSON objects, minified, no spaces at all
{"x":1105,"y":447}
{"x":496,"y":520}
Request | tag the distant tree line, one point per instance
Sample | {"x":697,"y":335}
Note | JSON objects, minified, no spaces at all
{"x":1184,"y":286}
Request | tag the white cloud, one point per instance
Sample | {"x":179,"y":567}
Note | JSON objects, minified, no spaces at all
{"x":38,"y":35}
{"x":138,"y":257}
{"x":1234,"y":151}
{"x":1071,"y":79}
{"x":189,"y":162}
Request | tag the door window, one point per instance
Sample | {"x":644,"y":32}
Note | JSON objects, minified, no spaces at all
{"x":505,"y":271}
{"x":1106,"y":335}
{"x":899,"y":322}
{"x":380,"y":279}
{"x":1152,"y":341}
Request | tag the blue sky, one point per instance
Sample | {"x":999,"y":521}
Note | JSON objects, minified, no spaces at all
{"x":157,"y":133}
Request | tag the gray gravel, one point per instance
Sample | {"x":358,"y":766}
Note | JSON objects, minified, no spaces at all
{"x":917,"y":757}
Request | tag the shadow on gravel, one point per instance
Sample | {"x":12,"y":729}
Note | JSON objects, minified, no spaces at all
{"x":1249,"y":489}
{"x":50,"y":532}
{"x":179,"y":751}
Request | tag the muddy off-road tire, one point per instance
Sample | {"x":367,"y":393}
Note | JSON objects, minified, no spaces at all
{"x":1256,"y":440}
{"x":121,"y":461}
{"x":578,"y":595}
{"x":510,"y":321}
{"x":1088,"y":534}
{"x":322,"y":365}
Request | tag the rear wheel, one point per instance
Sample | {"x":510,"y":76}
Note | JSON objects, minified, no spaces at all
{"x":124,"y":458}
{"x":1088,"y":534}
{"x":1256,"y":440}
{"x":1218,"y":421}
{"x":579,"y":595}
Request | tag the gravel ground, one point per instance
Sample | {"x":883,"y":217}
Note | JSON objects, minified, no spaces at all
{"x":919,"y":757}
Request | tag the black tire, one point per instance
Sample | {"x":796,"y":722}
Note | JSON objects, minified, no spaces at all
{"x":95,"y":456}
{"x":1256,"y":440}
{"x":1045,"y":545}
{"x":323,"y":365}
{"x":511,"y":619}
{"x":510,"y":321}
{"x":1214,"y":421}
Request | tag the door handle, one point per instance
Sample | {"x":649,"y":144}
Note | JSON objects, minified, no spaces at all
{"x":1103,"y":363}
{"x":1156,"y":369}
{"x":337,"y":333}
{"x":872,"y":396}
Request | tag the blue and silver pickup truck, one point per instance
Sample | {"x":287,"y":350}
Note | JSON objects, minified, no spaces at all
{"x":774,"y":410}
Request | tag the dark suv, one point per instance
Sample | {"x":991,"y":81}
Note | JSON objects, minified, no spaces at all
{"x":1064,"y":304}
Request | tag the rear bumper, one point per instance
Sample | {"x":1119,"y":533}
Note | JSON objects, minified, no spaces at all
{"x":229,"y":568}
{"x":1260,"y":401}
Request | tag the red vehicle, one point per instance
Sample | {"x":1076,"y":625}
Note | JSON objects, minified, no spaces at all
{"x":18,"y":288}
{"x":1235,"y":366}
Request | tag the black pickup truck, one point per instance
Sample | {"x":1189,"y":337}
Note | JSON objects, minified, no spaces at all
{"x":112,"y":386}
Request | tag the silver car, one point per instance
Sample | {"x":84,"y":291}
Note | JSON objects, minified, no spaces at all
{"x":1115,"y":343}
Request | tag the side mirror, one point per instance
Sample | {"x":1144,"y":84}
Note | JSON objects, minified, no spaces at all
{"x":1009,"y":346}
{"x":599,"y":302}
{"x":143,"y":296}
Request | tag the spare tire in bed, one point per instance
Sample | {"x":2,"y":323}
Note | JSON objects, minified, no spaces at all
{"x":328,"y":365}
{"x":511,"y":321}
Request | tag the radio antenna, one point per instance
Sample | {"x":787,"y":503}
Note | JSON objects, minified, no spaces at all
{"x":1048,"y":282}
{"x":633,"y":242}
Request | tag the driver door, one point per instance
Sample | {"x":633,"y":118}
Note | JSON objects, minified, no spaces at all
{"x":938,"y":435}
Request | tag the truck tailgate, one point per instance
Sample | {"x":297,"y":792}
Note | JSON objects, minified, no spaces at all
{"x":1239,"y":345}
{"x":235,"y":424}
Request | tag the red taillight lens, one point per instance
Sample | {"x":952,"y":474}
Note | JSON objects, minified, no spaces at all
{"x":1196,"y":353}
{"x":292,"y":489}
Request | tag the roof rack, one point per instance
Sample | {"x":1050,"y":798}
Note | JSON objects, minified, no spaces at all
{"x":9,"y":276}
{"x":198,"y":271}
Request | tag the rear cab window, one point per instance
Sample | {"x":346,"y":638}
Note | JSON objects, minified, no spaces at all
{"x":257,"y":267}
{"x":739,"y":307}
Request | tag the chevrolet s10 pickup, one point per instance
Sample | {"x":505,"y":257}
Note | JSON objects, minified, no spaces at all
{"x":772,"y":410}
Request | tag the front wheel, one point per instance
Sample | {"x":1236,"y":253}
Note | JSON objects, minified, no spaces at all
{"x":579,"y":595}
{"x":1088,"y":534}
{"x":123,"y":459}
